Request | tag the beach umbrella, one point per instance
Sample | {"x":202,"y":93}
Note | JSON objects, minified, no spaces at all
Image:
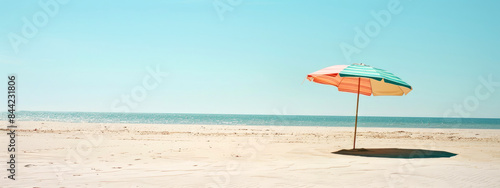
{"x":361,"y":79}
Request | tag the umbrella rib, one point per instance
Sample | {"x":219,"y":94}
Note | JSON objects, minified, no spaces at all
{"x":341,"y":80}
{"x":371,"y":88}
{"x":401,"y":90}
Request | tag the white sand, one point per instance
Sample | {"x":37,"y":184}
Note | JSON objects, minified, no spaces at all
{"x":130,"y":155}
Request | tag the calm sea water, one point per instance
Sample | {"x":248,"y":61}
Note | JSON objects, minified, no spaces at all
{"x":232,"y":119}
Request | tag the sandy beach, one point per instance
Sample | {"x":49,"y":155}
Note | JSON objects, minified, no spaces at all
{"x":57,"y":154}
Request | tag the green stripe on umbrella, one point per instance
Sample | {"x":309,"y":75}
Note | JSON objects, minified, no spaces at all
{"x":361,"y":70}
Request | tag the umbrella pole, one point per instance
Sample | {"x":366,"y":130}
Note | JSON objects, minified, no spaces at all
{"x":356,"y":122}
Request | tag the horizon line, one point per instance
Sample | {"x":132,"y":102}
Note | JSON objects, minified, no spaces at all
{"x":260,"y":114}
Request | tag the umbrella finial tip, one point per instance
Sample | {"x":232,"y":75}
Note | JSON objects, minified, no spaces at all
{"x":362,"y":64}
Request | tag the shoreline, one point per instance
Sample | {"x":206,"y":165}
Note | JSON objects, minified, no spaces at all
{"x":363,"y":127}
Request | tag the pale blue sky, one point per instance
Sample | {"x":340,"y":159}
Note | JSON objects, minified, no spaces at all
{"x":90,"y":53}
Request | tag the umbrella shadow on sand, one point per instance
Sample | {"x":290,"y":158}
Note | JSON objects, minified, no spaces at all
{"x":395,"y":153}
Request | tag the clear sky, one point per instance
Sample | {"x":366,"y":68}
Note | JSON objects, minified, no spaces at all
{"x":249,"y":56}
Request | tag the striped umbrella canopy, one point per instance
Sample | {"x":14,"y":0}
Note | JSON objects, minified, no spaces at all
{"x":361,"y":79}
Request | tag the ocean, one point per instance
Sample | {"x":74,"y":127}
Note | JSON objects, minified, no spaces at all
{"x":237,"y":119}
